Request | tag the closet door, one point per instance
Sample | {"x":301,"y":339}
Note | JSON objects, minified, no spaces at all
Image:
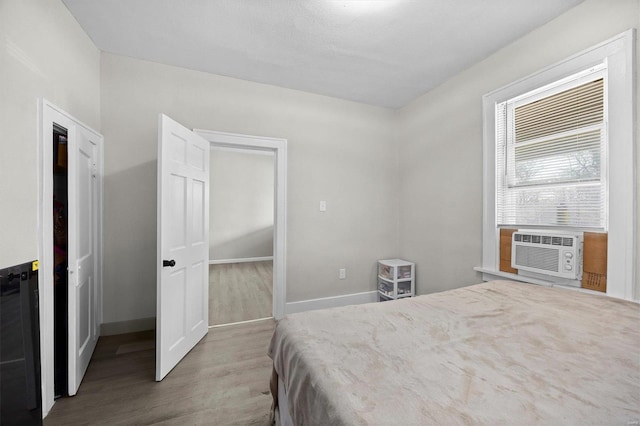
{"x":84,"y":250}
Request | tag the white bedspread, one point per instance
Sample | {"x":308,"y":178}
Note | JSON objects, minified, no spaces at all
{"x":493,"y":353}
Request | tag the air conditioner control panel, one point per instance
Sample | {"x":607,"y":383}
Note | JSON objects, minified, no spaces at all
{"x":568,"y":261}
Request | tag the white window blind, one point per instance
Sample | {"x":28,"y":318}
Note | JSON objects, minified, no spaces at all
{"x":551,"y":153}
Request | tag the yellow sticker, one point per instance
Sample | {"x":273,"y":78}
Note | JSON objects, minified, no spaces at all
{"x":35,"y":265}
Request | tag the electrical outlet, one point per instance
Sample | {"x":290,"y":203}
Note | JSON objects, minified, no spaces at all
{"x":323,"y":206}
{"x":342,"y":273}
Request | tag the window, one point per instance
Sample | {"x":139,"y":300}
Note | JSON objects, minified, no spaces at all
{"x":551,"y":155}
{"x":549,"y":172}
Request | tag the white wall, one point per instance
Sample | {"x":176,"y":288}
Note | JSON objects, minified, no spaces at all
{"x":44,"y":53}
{"x":338,"y":151}
{"x":241,"y":204}
{"x":440,"y":143}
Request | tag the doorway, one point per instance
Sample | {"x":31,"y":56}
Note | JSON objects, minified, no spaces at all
{"x":60,"y":261}
{"x":70,"y":178}
{"x":278,"y":147}
{"x":241,"y":227}
{"x":183,"y":234}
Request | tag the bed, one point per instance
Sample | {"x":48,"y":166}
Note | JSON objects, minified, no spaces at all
{"x":494,"y":353}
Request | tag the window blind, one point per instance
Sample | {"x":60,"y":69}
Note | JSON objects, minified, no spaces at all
{"x":551,"y":156}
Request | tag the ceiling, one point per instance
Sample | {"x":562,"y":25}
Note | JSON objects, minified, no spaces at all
{"x":378,"y":52}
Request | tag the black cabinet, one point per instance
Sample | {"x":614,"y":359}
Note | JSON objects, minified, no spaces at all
{"x":20,"y":391}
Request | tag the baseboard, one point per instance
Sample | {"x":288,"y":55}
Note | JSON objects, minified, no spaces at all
{"x":331,"y":302}
{"x":244,"y":259}
{"x":130,"y":326}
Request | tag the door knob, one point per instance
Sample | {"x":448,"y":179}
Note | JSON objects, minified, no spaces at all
{"x":170,"y":263}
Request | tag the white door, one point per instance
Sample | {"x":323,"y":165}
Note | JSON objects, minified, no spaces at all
{"x":84,"y":250}
{"x":183,"y":243}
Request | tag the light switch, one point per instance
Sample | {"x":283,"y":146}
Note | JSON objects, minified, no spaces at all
{"x":323,"y":206}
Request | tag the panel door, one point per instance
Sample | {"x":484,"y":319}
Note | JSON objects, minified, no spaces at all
{"x":183,"y":243}
{"x":84,"y":251}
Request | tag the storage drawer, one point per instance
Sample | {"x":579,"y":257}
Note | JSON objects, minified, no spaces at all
{"x":385,"y":288}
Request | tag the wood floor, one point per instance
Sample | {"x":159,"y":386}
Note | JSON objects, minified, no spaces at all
{"x":240,"y":292}
{"x":224,"y":380}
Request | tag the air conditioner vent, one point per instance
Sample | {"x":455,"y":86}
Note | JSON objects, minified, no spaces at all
{"x":567,"y":242}
{"x":537,"y":257}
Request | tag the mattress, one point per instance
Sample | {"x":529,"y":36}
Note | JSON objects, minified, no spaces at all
{"x":494,"y":353}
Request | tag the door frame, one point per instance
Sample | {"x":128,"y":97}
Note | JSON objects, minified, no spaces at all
{"x":279,"y":148}
{"x":48,"y":114}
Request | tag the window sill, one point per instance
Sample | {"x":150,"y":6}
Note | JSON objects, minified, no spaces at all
{"x":492,"y":274}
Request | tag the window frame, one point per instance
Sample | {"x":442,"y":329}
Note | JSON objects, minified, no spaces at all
{"x":619,"y":55}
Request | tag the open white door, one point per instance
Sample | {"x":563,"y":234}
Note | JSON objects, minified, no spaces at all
{"x":183,"y":243}
{"x":85,"y":149}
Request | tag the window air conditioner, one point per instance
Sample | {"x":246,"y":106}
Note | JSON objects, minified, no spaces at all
{"x":552,"y":253}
